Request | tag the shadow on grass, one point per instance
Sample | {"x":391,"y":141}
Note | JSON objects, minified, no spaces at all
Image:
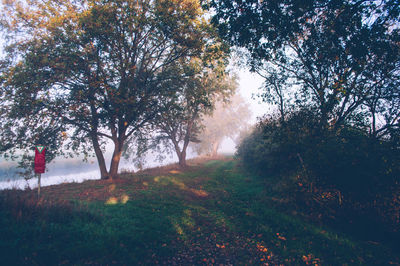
{"x":47,"y":233}
{"x":215,"y":214}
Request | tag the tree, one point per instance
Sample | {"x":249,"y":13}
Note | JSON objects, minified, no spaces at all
{"x":339,"y":56}
{"x":90,"y":69}
{"x":228,"y":119}
{"x":199,"y":88}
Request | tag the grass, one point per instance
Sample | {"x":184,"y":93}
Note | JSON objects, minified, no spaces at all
{"x":212,"y":213}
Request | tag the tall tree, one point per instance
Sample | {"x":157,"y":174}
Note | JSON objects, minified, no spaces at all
{"x":338,"y":55}
{"x":228,"y":119}
{"x":93,"y":68}
{"x":198,"y":90}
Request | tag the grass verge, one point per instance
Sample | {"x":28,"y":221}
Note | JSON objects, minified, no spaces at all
{"x":211,"y":213}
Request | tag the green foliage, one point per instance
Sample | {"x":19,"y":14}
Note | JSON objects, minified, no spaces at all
{"x":94,"y":69}
{"x":364,"y":169}
{"x":340,"y":58}
{"x":199,"y":84}
{"x":273,"y":146}
{"x":358,"y":165}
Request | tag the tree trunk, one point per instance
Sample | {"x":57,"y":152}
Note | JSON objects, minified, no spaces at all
{"x":181,"y":154}
{"x":281,"y":101}
{"x":93,"y":135}
{"x":324,"y":120}
{"x":100,"y":158}
{"x":116,"y":158}
{"x":215,"y":149}
{"x":373,"y":129}
{"x":182,"y":159}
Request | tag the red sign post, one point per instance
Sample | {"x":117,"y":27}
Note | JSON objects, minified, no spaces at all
{"x":40,"y":159}
{"x":40,"y":163}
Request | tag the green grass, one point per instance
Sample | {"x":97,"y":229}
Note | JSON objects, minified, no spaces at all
{"x":213,"y":213}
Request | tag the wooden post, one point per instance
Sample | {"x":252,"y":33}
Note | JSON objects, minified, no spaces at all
{"x":39,"y":176}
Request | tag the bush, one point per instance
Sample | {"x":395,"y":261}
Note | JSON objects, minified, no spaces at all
{"x":363,"y":169}
{"x":275,"y":146}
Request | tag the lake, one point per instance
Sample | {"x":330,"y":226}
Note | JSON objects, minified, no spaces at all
{"x":68,"y":170}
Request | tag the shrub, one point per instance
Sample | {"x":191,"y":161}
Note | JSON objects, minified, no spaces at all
{"x":363,"y":169}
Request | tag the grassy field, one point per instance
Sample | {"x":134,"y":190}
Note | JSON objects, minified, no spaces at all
{"x":213,"y":213}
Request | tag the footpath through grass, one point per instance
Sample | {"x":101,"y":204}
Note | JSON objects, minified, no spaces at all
{"x":213,"y":213}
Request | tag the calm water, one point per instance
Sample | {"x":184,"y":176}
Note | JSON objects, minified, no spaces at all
{"x":67,"y":170}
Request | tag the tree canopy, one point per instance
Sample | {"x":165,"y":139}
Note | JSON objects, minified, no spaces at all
{"x":340,"y":58}
{"x":206,"y":81}
{"x":81,"y":73}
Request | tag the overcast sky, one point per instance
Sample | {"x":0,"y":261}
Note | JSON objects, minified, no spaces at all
{"x":249,"y":87}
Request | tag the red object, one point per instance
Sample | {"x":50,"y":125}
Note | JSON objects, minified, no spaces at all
{"x":40,"y":159}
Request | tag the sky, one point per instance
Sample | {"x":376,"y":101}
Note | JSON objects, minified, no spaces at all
{"x":249,"y":87}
